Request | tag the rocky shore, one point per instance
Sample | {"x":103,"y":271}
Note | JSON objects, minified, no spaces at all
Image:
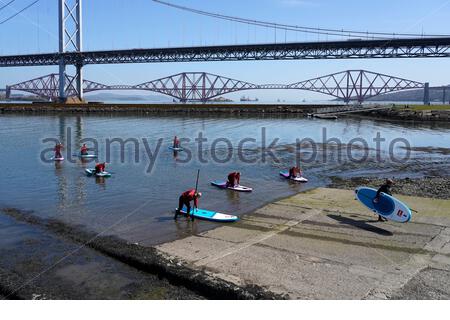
{"x":406,"y":114}
{"x":429,"y":187}
{"x":92,"y":108}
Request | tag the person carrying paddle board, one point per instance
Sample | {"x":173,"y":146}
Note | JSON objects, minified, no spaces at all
{"x":58,"y":147}
{"x":385,"y":188}
{"x":185,"y":200}
{"x":295,"y":172}
{"x":84,"y":150}
{"x":176,"y":143}
{"x":233,"y":180}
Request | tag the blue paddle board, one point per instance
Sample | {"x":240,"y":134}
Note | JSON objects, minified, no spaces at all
{"x":387,"y":206}
{"x":210,"y":215}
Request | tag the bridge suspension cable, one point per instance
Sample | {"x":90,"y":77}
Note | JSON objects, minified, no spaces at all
{"x":19,"y":12}
{"x":6,"y":5}
{"x":303,"y":29}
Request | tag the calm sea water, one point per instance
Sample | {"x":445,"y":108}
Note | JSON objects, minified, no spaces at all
{"x":138,"y":205}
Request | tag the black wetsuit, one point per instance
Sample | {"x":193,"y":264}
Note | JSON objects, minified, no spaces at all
{"x":385,"y":188}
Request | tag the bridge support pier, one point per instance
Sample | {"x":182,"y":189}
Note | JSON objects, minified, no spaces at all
{"x":70,"y":39}
{"x":8,"y":92}
{"x":62,"y":81}
{"x":79,"y":81}
{"x":426,"y":94}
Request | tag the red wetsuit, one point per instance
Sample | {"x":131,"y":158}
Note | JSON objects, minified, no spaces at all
{"x":100,"y":167}
{"x":234,"y":179}
{"x":84,"y":150}
{"x":294,"y":172}
{"x":185,"y":200}
{"x":176,"y":142}
{"x":58,"y":149}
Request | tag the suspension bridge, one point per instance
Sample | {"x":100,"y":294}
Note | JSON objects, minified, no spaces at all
{"x":350,"y":85}
{"x":71,"y":53}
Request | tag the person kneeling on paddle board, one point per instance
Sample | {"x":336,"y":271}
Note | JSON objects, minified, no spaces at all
{"x":295,"y":172}
{"x":185,"y":200}
{"x":385,"y":188}
{"x":234,"y":179}
{"x":100,"y":167}
{"x":176,"y":142}
{"x":58,"y":148}
{"x":84,"y":150}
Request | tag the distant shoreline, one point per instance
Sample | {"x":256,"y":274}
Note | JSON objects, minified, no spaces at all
{"x":164,"y":108}
{"x":390,"y":112}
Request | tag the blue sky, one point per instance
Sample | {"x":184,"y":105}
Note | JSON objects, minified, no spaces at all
{"x":120,"y":24}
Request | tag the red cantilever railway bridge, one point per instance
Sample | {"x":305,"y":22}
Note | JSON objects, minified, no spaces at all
{"x":71,"y":53}
{"x":350,"y":85}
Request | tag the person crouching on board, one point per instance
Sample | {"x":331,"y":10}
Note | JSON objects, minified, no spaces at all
{"x":234,"y":178}
{"x":100,"y":167}
{"x":58,"y":148}
{"x":295,"y":172}
{"x":385,"y":188}
{"x":185,"y":200}
{"x":84,"y":150}
{"x":176,"y":142}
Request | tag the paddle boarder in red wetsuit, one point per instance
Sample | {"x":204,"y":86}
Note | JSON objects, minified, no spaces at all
{"x":58,"y":148}
{"x":176,"y":142}
{"x":84,"y":150}
{"x":295,"y":172}
{"x":185,"y":200}
{"x":234,"y":179}
{"x":100,"y":167}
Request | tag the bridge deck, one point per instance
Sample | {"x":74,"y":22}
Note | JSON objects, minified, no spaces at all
{"x":392,"y":48}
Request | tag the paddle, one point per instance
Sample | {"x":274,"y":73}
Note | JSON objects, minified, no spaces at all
{"x":196,"y":183}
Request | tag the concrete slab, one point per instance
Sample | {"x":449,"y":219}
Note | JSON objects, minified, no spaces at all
{"x":429,"y":284}
{"x":322,"y":244}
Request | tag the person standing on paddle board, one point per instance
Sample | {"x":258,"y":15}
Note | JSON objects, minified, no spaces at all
{"x":58,"y":148}
{"x":295,"y":172}
{"x":185,"y":200}
{"x":234,"y":178}
{"x":385,"y":188}
{"x":176,"y":142}
{"x":84,"y":150}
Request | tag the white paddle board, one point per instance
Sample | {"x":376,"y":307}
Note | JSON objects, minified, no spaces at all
{"x":285,"y":174}
{"x":223,"y":185}
{"x":103,"y":174}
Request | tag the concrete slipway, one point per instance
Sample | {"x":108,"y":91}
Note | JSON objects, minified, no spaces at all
{"x":323,"y":244}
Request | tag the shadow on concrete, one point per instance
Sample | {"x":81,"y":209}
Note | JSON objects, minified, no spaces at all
{"x":361,"y":225}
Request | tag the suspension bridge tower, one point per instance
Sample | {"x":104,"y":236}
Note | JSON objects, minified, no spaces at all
{"x":70,"y":40}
